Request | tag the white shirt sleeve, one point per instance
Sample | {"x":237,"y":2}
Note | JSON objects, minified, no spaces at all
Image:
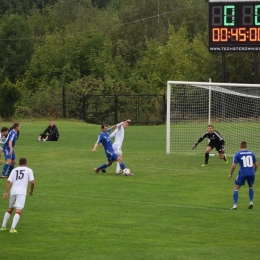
{"x":114,"y":133}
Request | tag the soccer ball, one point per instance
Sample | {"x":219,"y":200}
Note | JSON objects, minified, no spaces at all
{"x":126,"y":171}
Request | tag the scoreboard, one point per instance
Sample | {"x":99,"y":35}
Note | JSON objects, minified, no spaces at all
{"x":234,"y":26}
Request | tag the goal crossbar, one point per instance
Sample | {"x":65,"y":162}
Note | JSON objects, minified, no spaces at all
{"x":181,"y":93}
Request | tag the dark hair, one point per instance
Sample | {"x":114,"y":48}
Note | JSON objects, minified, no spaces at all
{"x":22,"y":161}
{"x":3,"y":129}
{"x":103,"y":126}
{"x":15,"y":125}
{"x":243,"y":144}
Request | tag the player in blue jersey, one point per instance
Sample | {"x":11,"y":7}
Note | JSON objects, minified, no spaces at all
{"x":248,"y":167}
{"x":3,"y":135}
{"x":105,"y":140}
{"x":8,"y":149}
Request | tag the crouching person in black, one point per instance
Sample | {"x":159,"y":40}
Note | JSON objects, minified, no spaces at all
{"x":52,"y":131}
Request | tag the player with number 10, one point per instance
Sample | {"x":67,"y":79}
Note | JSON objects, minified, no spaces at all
{"x":248,"y":167}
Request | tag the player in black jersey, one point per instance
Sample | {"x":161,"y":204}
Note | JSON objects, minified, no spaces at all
{"x":216,"y":141}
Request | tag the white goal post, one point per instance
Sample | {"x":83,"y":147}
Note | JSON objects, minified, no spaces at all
{"x":233,"y":109}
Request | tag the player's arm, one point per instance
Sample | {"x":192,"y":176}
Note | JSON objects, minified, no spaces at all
{"x":7,"y":187}
{"x":96,"y":144}
{"x":201,"y":139}
{"x":113,"y":134}
{"x":32,"y":187}
{"x":255,"y":166}
{"x":120,"y":124}
{"x":47,"y":130}
{"x":95,"y":147}
{"x":10,"y":144}
{"x":233,"y":167}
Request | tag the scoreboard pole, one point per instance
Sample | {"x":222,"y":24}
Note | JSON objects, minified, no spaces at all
{"x":223,"y":67}
{"x":256,"y":68}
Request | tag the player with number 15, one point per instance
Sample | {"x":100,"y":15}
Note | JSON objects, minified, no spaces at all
{"x":19,"y":179}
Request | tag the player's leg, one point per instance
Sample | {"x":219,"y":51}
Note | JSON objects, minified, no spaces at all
{"x":118,"y":168}
{"x":8,"y":212}
{"x":208,"y":149}
{"x":1,"y":151}
{"x":19,"y":205}
{"x":103,"y":167}
{"x":52,"y":138}
{"x":12,"y":164}
{"x":120,"y":161}
{"x":6,"y":218}
{"x":16,"y":218}
{"x":8,"y":159}
{"x":239,"y":181}
{"x":235,"y":196}
{"x":41,"y":137}
{"x":118,"y":151}
{"x":250,"y":182}
{"x":111,"y":157}
{"x":221,"y":153}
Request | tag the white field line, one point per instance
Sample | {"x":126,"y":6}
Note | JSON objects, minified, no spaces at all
{"x":156,"y":204}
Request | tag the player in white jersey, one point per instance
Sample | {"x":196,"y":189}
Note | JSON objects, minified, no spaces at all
{"x":3,"y":135}
{"x":19,"y":178}
{"x":119,"y":134}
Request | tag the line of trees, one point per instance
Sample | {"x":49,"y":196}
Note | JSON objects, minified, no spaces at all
{"x":106,"y":46}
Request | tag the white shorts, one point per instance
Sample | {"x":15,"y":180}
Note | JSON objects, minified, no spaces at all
{"x":17,"y":201}
{"x":117,"y":149}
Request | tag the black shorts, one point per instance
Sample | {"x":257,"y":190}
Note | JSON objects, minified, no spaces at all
{"x":217,"y":146}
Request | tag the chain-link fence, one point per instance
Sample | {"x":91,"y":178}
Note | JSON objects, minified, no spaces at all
{"x":71,"y":103}
{"x":141,"y":109}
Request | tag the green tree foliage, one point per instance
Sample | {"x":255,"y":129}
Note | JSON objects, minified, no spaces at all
{"x":149,"y":19}
{"x":108,"y":46}
{"x":16,"y":46}
{"x":63,"y":60}
{"x":22,"y":7}
{"x":9,"y":95}
{"x":53,"y":63}
{"x":179,"y":59}
{"x":100,"y":3}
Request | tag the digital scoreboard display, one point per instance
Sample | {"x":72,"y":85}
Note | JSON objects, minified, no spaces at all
{"x":234,"y":26}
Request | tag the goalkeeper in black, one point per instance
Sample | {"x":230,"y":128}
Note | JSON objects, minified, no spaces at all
{"x":216,"y":141}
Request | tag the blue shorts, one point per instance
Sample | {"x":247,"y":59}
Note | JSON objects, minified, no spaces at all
{"x":8,"y":156}
{"x":111,"y":155}
{"x":241,"y":180}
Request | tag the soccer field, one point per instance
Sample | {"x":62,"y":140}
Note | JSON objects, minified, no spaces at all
{"x":172,"y":208}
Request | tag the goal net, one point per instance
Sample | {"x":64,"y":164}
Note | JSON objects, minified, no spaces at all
{"x":233,"y":109}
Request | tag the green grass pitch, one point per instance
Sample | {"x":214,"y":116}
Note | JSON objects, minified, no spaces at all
{"x":172,"y":208}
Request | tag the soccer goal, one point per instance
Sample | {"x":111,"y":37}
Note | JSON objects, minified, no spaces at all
{"x":233,"y":109}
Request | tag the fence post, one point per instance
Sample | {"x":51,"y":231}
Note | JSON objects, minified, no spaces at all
{"x":64,"y":101}
{"x":83,"y":107}
{"x":116,"y":109}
